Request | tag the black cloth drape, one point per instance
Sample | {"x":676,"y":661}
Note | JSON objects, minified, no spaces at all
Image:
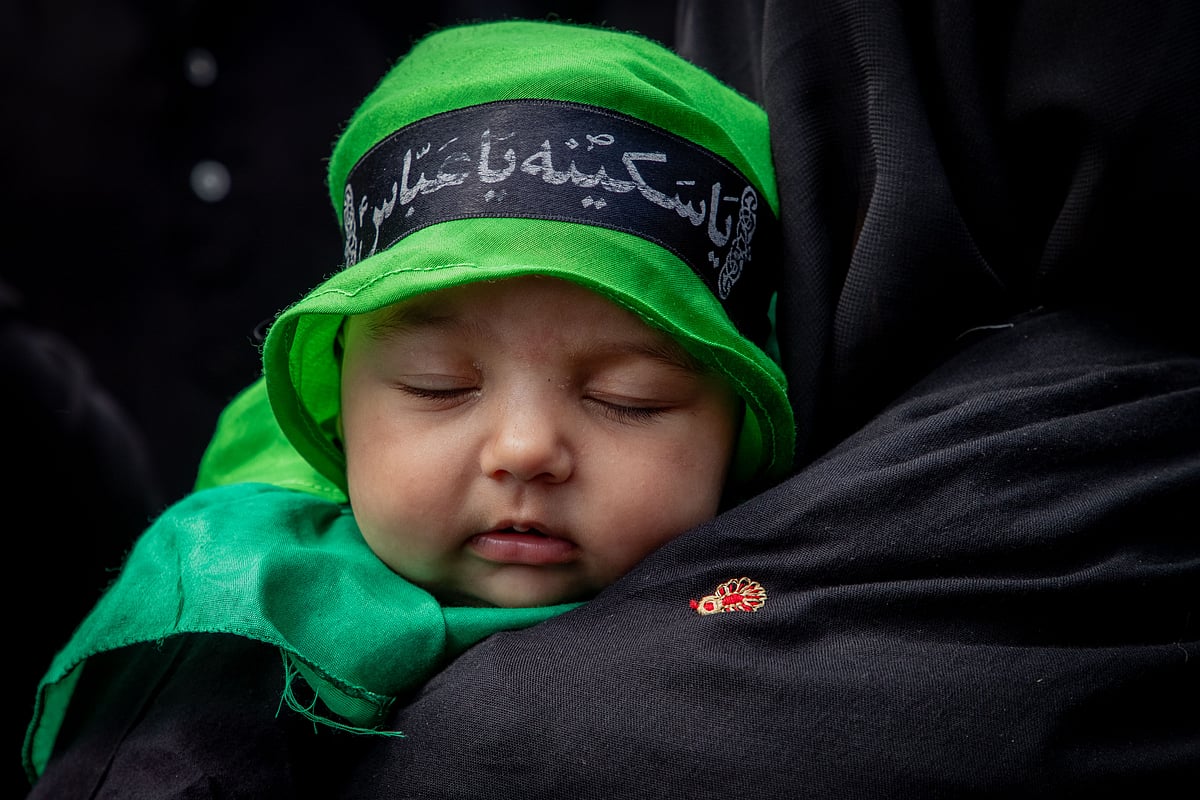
{"x":944,"y":165}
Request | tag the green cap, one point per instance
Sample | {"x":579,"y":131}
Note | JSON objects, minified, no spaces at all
{"x":513,"y":148}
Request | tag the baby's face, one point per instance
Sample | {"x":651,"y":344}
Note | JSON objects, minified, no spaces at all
{"x":527,"y":441}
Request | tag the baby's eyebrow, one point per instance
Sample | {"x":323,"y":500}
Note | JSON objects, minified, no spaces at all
{"x":666,"y":352}
{"x":407,"y":318}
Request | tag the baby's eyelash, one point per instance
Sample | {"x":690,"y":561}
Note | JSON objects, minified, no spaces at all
{"x":622,"y":413}
{"x":433,"y":394}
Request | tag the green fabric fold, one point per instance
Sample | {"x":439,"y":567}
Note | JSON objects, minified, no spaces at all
{"x":283,"y":567}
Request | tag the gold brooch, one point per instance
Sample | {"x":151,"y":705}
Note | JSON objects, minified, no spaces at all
{"x":738,"y":594}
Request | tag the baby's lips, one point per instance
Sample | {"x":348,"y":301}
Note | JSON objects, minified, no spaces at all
{"x":527,"y":548}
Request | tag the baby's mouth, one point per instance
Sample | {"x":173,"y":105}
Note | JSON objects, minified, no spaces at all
{"x":523,"y":546}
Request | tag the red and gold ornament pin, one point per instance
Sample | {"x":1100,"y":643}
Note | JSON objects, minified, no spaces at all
{"x":737,"y":594}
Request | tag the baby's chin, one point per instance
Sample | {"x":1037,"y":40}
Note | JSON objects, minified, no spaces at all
{"x":509,"y":594}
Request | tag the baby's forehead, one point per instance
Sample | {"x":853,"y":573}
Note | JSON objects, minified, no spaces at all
{"x":466,"y":312}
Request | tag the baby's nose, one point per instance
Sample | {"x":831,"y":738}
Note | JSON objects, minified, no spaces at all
{"x":527,"y":442}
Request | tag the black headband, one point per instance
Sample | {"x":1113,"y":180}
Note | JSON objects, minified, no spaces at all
{"x":554,"y":160}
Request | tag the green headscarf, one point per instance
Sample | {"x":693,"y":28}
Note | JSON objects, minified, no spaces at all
{"x":515,"y":148}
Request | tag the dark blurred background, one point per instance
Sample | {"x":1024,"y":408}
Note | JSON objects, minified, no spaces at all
{"x":165,"y":171}
{"x":165,"y":165}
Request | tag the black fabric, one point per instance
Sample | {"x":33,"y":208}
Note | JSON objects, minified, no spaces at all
{"x":198,"y":716}
{"x":944,"y":165}
{"x":988,"y":591}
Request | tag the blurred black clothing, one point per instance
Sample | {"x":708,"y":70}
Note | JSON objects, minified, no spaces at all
{"x":78,"y":490}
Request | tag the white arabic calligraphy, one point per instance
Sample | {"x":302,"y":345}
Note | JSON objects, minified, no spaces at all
{"x":351,"y":248}
{"x":491,"y":166}
{"x":457,"y":167}
{"x":739,"y":251}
